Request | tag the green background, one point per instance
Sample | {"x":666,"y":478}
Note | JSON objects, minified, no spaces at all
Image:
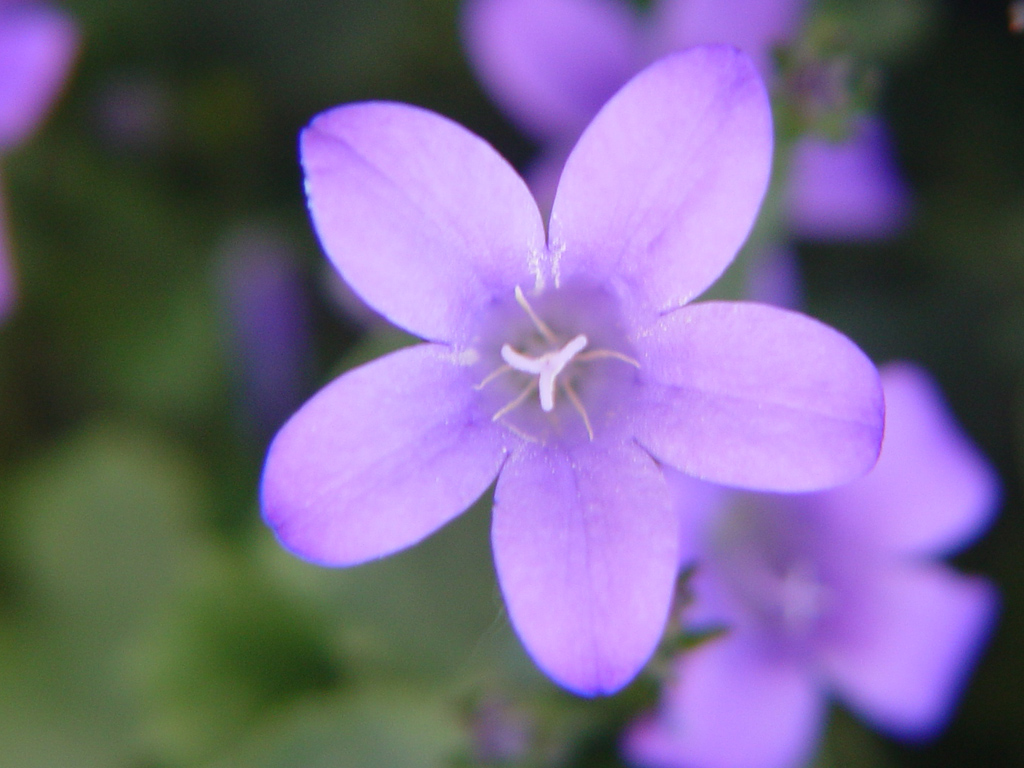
{"x":149,"y":620}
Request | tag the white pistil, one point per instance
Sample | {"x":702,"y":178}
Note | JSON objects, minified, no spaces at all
{"x":546,"y":367}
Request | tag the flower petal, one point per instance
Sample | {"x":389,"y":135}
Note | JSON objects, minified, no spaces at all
{"x":932,"y":491}
{"x":731,"y":707}
{"x":664,"y":185}
{"x":907,"y":645}
{"x":551,"y":64}
{"x":379,"y":458}
{"x":758,"y":397}
{"x":37,"y":46}
{"x":753,"y":26}
{"x":849,"y":190}
{"x":424,"y":219}
{"x":586,"y":546}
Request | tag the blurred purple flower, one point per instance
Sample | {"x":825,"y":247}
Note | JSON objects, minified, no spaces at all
{"x":37,"y":46}
{"x":551,"y":64}
{"x":500,"y":732}
{"x":133,"y":113}
{"x":267,"y":319}
{"x":774,"y":278}
{"x":846,"y":190}
{"x":569,"y":366}
{"x":833,"y":593}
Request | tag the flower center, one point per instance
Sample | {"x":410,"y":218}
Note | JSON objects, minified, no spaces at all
{"x":769,"y":565}
{"x":546,"y":367}
{"x":550,"y":371}
{"x":794,"y":599}
{"x":802,"y":597}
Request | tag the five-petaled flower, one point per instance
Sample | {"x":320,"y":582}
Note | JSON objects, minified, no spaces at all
{"x":832,"y":593}
{"x":37,"y":45}
{"x":551,"y":64}
{"x":568,"y":364}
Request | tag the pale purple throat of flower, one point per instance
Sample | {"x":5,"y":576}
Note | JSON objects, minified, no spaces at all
{"x":544,"y":370}
{"x":551,"y":64}
{"x":838,"y":593}
{"x":565,"y":363}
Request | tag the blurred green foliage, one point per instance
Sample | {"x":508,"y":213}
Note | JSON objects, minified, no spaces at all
{"x":149,"y":620}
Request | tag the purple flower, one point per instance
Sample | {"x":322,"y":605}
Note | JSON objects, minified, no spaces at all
{"x":37,"y":45}
{"x":266,"y":320}
{"x":551,"y":64}
{"x":568,"y":365}
{"x":846,"y":190}
{"x":835,"y":593}
{"x":774,"y":278}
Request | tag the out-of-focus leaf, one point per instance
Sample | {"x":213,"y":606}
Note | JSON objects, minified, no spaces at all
{"x":114,"y":282}
{"x":99,"y":536}
{"x":879,"y":29}
{"x":228,"y":649}
{"x":47,"y":718}
{"x":848,"y":744}
{"x":173,"y":366}
{"x":432,"y":612}
{"x":102,"y":528}
{"x":380,"y":728}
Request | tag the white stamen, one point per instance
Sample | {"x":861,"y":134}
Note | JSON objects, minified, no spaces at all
{"x":516,"y":402}
{"x":541,"y":326}
{"x":501,"y":371}
{"x":575,"y":400}
{"x":546,"y":367}
{"x":607,"y":354}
